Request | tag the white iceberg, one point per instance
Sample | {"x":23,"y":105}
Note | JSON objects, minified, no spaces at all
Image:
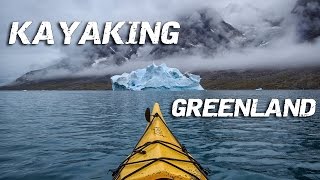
{"x":156,"y":77}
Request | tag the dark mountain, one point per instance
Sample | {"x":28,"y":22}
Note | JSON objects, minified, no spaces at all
{"x":293,"y":78}
{"x":308,"y":15}
{"x":202,"y":32}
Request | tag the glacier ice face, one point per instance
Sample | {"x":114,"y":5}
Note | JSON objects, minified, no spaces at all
{"x":156,"y":77}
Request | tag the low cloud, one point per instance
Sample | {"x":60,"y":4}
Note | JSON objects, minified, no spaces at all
{"x":270,"y":20}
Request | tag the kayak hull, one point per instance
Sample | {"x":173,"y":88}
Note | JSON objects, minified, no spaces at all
{"x":159,"y":155}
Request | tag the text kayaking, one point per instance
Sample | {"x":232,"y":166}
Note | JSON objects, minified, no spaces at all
{"x":238,"y":107}
{"x":166,"y":33}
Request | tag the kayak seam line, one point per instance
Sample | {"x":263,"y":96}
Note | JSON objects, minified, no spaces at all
{"x":192,"y":160}
{"x":137,"y":170}
{"x":165,"y":158}
{"x":155,"y":160}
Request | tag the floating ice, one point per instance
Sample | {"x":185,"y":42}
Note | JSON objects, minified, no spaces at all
{"x":156,"y":77}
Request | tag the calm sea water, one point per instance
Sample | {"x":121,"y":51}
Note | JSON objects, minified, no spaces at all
{"x":83,"y":134}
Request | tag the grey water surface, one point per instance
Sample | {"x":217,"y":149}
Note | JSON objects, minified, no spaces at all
{"x":83,"y":134}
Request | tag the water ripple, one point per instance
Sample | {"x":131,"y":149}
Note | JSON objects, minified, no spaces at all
{"x":83,"y":134}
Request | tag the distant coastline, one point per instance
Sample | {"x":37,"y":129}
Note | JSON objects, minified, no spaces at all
{"x":295,"y":78}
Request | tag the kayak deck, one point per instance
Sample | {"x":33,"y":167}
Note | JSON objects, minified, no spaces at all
{"x":159,"y":155}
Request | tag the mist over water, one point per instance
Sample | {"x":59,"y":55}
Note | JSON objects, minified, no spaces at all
{"x":83,"y":134}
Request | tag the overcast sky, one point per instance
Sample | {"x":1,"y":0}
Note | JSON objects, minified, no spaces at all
{"x":18,"y":59}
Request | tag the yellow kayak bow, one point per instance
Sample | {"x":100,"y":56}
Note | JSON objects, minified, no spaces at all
{"x":159,"y":155}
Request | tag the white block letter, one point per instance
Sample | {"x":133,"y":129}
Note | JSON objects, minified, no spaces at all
{"x":207,"y":106}
{"x":293,"y":108}
{"x":44,"y":33}
{"x":15,"y":31}
{"x":274,"y":108}
{"x":303,"y":107}
{"x":133,"y":33}
{"x":254,"y":109}
{"x":153,"y":35}
{"x":193,"y":106}
{"x":176,"y":108}
{"x":224,"y":106}
{"x":88,"y":36}
{"x":245,"y":109}
{"x":68,"y":31}
{"x":114,"y":33}
{"x":165,"y":33}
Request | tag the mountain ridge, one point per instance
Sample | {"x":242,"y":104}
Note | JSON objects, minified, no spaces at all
{"x":202,"y":31}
